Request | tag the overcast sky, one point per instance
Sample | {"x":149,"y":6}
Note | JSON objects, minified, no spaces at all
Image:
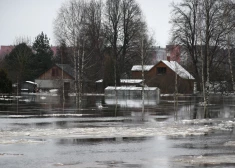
{"x":28,"y":18}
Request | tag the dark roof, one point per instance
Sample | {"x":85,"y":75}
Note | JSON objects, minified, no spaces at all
{"x":67,"y":68}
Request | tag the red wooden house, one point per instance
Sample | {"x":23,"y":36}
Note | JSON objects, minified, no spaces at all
{"x":163,"y":75}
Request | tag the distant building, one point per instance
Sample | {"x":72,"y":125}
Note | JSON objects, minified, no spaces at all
{"x":4,"y":50}
{"x":55,"y":77}
{"x":158,"y":54}
{"x":174,"y":52}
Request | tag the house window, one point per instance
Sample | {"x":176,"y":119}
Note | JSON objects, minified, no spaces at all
{"x":55,"y":72}
{"x":161,"y":70}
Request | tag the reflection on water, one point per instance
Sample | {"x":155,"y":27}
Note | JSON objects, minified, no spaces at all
{"x":95,"y":141}
{"x":188,"y":107}
{"x":131,"y":103}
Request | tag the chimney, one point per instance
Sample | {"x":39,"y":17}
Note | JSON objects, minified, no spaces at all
{"x":168,"y":58}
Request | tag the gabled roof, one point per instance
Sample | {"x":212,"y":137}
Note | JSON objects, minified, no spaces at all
{"x":139,"y":67}
{"x":67,"y":68}
{"x":174,"y":66}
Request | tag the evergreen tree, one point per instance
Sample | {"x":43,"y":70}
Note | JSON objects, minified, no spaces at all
{"x":63,"y":54}
{"x":20,"y":63}
{"x":5,"y":83}
{"x":43,"y":53}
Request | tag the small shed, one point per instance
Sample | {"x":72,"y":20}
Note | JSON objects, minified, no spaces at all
{"x":132,"y":92}
{"x":25,"y":87}
{"x":29,"y":86}
{"x":123,"y":82}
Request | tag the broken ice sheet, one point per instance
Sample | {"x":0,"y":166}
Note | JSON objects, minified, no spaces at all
{"x":230,"y":143}
{"x":220,"y":159}
{"x":21,"y":141}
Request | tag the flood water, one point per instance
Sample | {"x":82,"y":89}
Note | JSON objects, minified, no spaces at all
{"x":42,"y":131}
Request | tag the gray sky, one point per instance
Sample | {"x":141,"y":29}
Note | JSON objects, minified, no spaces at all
{"x":28,"y":18}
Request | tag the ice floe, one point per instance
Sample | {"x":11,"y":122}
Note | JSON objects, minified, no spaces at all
{"x":230,"y":143}
{"x":163,"y":129}
{"x":20,"y":141}
{"x":208,"y":160}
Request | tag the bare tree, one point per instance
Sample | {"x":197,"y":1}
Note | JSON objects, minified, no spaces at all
{"x":93,"y":41}
{"x":142,"y":53}
{"x":198,"y":26}
{"x":185,"y":18}
{"x":79,"y":24}
{"x":229,"y":14}
{"x":67,"y":27}
{"x":184,"y":31}
{"x":123,"y":22}
{"x":212,"y":36}
{"x":146,"y":45}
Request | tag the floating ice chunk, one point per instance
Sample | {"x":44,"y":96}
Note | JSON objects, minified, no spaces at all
{"x":59,"y":164}
{"x":210,"y":160}
{"x":20,"y":116}
{"x":187,"y":121}
{"x":53,"y":90}
{"x":200,"y":157}
{"x":20,"y":141}
{"x":230,"y":143}
{"x":43,"y":97}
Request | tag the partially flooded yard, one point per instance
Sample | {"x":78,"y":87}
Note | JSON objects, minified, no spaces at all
{"x":43,"y":131}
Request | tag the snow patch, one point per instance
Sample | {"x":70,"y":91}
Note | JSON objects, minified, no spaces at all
{"x":139,"y":67}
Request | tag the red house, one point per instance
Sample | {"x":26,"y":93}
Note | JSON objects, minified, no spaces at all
{"x":163,"y":75}
{"x":4,"y":50}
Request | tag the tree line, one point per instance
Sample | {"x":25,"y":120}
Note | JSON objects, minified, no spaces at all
{"x":100,"y":40}
{"x":103,"y":38}
{"x":26,"y":62}
{"x":205,"y":31}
